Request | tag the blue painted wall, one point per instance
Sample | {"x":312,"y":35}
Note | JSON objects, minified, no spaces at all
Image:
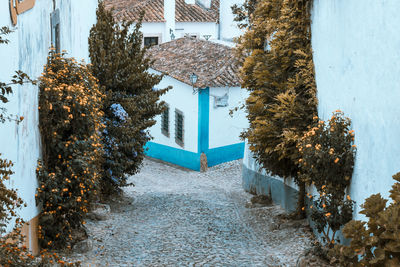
{"x":173,"y":155}
{"x":191,"y":160}
{"x":223,"y":154}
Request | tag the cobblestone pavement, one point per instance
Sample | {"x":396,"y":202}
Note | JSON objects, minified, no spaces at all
{"x":178,"y":217}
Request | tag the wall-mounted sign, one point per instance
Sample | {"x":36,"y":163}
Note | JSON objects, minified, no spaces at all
{"x":17,"y":7}
{"x":221,"y":101}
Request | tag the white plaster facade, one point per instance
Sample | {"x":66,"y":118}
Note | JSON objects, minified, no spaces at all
{"x":225,"y":129}
{"x":357,"y":63}
{"x":228,"y":28}
{"x":198,"y":29}
{"x":179,"y":97}
{"x":27,"y":51}
{"x":225,"y":29}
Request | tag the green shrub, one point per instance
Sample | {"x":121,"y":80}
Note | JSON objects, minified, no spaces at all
{"x":277,"y":69}
{"x":375,"y":242}
{"x":70,"y":116}
{"x":327,"y":162}
{"x":121,"y":66}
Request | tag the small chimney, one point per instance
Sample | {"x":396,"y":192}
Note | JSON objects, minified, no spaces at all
{"x":169,"y":16}
{"x":190,"y":2}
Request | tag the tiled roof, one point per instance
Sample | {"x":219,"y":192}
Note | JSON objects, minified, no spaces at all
{"x":129,"y":10}
{"x":213,"y":63}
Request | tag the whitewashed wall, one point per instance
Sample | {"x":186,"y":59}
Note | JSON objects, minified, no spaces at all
{"x":224,"y":128}
{"x":200,"y":28}
{"x":180,"y":97}
{"x":154,"y":29}
{"x":181,"y":28}
{"x":357,"y":61}
{"x":28,"y":51}
{"x":228,"y":27}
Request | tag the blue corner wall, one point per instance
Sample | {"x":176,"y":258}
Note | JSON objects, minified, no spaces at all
{"x":191,"y":160}
{"x":173,"y":155}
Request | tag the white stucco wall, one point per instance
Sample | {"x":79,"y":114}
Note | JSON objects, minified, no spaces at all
{"x":228,"y":27}
{"x":181,"y":28}
{"x":357,"y":61}
{"x":154,"y":29}
{"x":179,"y":97}
{"x":200,"y":28}
{"x":28,"y":51}
{"x":225,"y":129}
{"x":251,"y":163}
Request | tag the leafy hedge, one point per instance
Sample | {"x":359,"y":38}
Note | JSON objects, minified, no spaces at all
{"x":70,"y":116}
{"x":375,"y":242}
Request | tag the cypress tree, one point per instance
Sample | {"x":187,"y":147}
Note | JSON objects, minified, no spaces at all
{"x":278,"y":70}
{"x":120,"y":64}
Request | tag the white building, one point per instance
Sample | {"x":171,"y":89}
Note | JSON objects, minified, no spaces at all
{"x":197,"y":119}
{"x":357,"y":63}
{"x":35,"y":24}
{"x":165,"y":20}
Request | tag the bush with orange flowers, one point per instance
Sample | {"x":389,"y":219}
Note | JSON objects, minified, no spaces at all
{"x":13,"y":252}
{"x":70,"y":116}
{"x":327,"y":161}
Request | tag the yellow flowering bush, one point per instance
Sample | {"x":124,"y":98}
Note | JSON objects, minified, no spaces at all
{"x":70,"y":115}
{"x":327,"y":160}
{"x":327,"y":153}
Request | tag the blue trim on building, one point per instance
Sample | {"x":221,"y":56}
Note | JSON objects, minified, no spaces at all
{"x":173,"y":155}
{"x":204,"y":120}
{"x":223,"y":154}
{"x":191,"y":160}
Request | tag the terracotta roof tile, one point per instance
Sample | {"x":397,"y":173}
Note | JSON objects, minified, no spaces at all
{"x":154,"y":11}
{"x":213,"y":63}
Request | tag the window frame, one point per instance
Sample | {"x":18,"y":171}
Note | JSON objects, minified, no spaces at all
{"x":157,"y":35}
{"x":144,"y":41}
{"x":177,"y":140}
{"x":164,"y":131}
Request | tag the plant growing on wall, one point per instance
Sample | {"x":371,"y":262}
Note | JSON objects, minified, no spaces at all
{"x":327,"y":162}
{"x":6,"y":88}
{"x":70,"y":116}
{"x":121,"y":66}
{"x":13,"y":252}
{"x":277,"y":69}
{"x":375,"y":242}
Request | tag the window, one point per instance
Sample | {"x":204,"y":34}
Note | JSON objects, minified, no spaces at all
{"x":151,"y":40}
{"x":165,"y":122}
{"x":179,"y":127}
{"x":55,"y":30}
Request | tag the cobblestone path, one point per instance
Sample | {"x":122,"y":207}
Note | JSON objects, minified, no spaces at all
{"x":184,"y":218}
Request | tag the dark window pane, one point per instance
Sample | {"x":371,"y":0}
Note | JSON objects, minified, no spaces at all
{"x":179,"y":127}
{"x":149,"y":41}
{"x":165,"y":122}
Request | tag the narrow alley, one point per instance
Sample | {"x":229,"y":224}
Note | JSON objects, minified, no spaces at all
{"x":176,"y":217}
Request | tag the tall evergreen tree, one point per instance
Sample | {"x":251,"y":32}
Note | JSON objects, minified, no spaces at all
{"x":279,"y":73}
{"x":120,"y":64}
